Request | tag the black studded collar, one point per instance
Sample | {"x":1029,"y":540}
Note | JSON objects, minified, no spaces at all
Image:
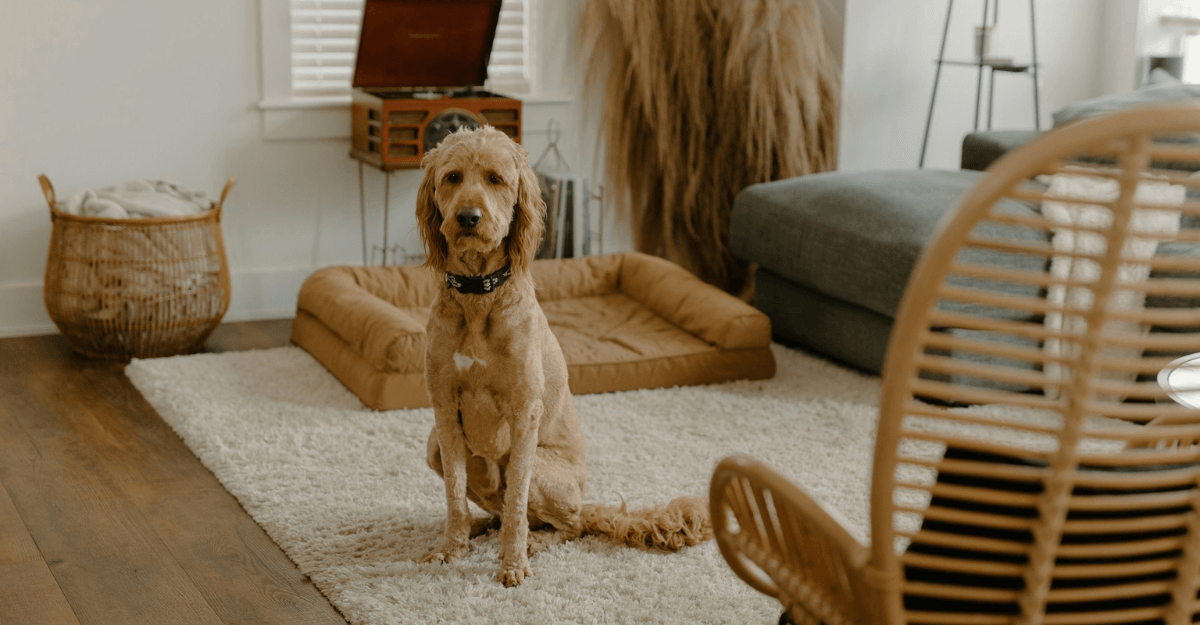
{"x":479,"y":285}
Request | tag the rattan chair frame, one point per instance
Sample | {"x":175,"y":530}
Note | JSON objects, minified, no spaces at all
{"x":136,"y":288}
{"x":1110,"y":495}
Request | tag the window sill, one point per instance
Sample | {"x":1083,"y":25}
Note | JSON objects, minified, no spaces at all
{"x":329,"y":118}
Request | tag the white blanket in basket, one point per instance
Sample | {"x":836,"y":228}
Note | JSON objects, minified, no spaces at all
{"x":137,"y":199}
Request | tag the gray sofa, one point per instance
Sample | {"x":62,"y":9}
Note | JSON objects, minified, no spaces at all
{"x":835,"y":250}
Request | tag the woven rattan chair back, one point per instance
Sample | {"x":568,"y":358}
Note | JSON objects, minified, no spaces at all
{"x":1028,"y":467}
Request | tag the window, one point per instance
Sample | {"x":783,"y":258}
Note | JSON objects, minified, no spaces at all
{"x":309,"y":47}
{"x":324,"y":42}
{"x":509,"y":69}
{"x":1170,"y":38}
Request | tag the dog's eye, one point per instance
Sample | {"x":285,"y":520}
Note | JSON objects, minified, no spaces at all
{"x":494,"y":179}
{"x":454,"y":177}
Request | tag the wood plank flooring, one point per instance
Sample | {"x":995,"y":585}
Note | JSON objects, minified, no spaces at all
{"x":107,"y":518}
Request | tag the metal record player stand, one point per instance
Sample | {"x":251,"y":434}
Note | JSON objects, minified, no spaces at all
{"x":387,"y":210}
{"x":362,"y":211}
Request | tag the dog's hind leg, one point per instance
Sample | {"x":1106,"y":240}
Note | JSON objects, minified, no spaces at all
{"x":555,"y":499}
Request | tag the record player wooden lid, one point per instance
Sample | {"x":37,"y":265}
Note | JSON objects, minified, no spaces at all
{"x":425,"y":43}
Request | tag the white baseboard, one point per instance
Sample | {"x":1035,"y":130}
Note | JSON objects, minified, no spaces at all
{"x":266,"y":293}
{"x":22,"y":312}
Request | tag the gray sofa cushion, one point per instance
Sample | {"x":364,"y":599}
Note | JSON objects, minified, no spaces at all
{"x":1150,"y":94}
{"x":856,"y":236}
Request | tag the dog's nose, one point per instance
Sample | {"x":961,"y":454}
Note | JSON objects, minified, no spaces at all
{"x":469,"y":217}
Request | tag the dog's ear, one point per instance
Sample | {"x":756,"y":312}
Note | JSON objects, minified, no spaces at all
{"x":529,"y":216}
{"x":429,"y":218}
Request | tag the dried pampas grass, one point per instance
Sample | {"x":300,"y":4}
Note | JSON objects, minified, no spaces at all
{"x":702,"y":98}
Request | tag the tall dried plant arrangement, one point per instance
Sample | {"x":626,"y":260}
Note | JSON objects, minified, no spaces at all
{"x":701,"y":98}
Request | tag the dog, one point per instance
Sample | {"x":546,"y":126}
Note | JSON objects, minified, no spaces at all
{"x":505,"y":432}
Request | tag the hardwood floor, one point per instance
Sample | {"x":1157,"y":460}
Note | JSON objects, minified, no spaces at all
{"x":107,"y":518}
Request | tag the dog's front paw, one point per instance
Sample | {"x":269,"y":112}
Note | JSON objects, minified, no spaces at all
{"x":446,"y":553}
{"x":512,"y":573}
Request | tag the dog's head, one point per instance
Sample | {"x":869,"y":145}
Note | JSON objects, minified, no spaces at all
{"x":479,"y":197}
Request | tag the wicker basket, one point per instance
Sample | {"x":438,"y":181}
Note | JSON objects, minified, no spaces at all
{"x":136,"y":288}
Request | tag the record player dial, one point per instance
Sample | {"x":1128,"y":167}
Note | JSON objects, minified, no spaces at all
{"x":446,"y":122}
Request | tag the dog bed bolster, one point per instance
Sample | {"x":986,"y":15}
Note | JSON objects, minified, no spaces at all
{"x":698,"y":308}
{"x":380,"y":312}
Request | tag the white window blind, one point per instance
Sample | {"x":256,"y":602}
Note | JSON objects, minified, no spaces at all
{"x":509,"y":66}
{"x":324,"y":44}
{"x":325,"y":41}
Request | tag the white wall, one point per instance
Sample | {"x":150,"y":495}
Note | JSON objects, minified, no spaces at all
{"x":1156,"y":38}
{"x":95,"y":93}
{"x":888,"y":73}
{"x":1120,"y":62}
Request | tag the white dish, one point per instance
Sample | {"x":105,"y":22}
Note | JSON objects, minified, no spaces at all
{"x":1181,"y":380}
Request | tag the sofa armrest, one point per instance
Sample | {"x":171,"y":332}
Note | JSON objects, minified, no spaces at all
{"x":701,"y":309}
{"x":981,"y":149}
{"x":390,"y":338}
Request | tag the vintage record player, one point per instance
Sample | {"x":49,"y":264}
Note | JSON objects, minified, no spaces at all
{"x":418,"y":75}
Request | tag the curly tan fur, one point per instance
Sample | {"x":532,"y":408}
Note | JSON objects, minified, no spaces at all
{"x":506,"y":436}
{"x":681,"y":523}
{"x":700,"y":99}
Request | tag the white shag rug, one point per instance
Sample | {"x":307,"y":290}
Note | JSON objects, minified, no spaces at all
{"x":345,"y":492}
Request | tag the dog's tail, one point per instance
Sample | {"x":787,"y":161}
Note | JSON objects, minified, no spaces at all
{"x":681,"y":523}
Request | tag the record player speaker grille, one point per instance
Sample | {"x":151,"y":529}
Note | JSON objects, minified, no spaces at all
{"x":395,"y":132}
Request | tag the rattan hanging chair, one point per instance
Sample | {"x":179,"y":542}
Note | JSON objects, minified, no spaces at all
{"x":1028,"y":467}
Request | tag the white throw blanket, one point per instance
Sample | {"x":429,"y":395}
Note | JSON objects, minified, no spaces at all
{"x":1085,"y":271}
{"x":137,"y":199}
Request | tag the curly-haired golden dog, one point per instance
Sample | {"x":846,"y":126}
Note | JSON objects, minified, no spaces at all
{"x":505,"y":435}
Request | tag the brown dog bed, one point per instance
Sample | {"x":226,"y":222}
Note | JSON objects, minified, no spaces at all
{"x":624,"y":321}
